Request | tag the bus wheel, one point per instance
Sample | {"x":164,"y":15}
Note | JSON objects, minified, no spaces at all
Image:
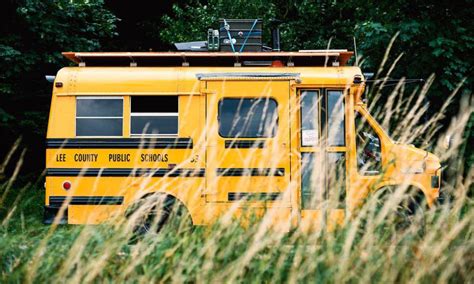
{"x":411,"y":211}
{"x":151,"y":214}
{"x":407,"y":212}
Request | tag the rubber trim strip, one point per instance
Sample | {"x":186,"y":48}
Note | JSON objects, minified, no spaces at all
{"x":232,"y":172}
{"x":244,"y":144}
{"x":120,"y":143}
{"x":124,"y":172}
{"x":251,"y":196}
{"x":57,"y":201}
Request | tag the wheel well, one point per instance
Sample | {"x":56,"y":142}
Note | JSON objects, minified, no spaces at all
{"x":169,"y":201}
{"x":418,"y":197}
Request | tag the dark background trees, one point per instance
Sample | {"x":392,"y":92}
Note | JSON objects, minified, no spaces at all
{"x":433,"y":37}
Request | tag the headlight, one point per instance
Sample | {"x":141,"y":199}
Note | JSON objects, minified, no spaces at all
{"x":435,"y":181}
{"x":412,"y":171}
{"x":415,"y":167}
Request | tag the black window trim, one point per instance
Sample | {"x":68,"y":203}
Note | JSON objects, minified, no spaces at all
{"x":241,"y":98}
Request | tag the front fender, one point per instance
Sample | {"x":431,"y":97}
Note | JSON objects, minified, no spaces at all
{"x":430,"y":200}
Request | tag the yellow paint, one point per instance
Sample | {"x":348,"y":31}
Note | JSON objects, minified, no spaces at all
{"x":206,"y":198}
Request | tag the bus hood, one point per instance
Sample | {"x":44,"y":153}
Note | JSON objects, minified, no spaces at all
{"x":412,"y":160}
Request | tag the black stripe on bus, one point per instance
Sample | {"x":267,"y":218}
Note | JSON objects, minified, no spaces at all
{"x":57,"y":201}
{"x":110,"y":172}
{"x":235,"y":172}
{"x":120,"y":143}
{"x":244,"y":144}
{"x":253,"y":196}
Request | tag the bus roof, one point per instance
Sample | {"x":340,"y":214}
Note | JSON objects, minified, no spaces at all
{"x":295,"y":58}
{"x":99,"y":81}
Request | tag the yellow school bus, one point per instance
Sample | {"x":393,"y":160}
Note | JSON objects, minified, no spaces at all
{"x":245,"y":133}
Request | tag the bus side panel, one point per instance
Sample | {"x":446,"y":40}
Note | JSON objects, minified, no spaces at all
{"x":62,"y":117}
{"x":116,"y":194}
{"x":125,"y":174}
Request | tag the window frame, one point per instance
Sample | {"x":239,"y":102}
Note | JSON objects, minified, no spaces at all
{"x":277,"y":108}
{"x":157,"y":114}
{"x":98,"y":117}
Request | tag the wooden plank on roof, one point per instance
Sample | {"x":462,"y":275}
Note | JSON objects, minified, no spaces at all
{"x":342,"y":55}
{"x":71,"y":56}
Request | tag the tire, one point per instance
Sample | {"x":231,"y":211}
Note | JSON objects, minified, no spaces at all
{"x":409,"y":211}
{"x":151,"y":214}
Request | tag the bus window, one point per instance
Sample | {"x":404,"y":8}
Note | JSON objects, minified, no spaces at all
{"x":99,"y":116}
{"x":154,"y":115}
{"x":368,"y":147}
{"x":319,"y":183}
{"x":336,"y":175}
{"x":311,"y":183}
{"x":248,"y":118}
{"x":335,"y":119}
{"x":309,"y":118}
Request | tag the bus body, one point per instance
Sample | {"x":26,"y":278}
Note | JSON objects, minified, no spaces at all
{"x":240,"y":139}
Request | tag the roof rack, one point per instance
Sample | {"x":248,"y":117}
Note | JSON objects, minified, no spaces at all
{"x":302,"y":58}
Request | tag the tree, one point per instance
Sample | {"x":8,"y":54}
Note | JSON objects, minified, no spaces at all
{"x":189,"y":22}
{"x":33,"y":35}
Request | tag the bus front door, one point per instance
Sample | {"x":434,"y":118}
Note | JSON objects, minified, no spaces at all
{"x":322,"y":162}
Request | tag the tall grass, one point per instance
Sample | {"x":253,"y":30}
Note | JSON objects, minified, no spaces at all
{"x":437,"y":246}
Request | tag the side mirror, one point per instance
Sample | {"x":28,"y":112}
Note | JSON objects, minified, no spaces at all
{"x":50,"y":78}
{"x":448,"y":142}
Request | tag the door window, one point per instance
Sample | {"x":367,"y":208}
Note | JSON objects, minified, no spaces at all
{"x":248,"y":118}
{"x":336,"y":179}
{"x":335,"y":118}
{"x":311,"y":184}
{"x":309,"y":118}
{"x":369,"y":157}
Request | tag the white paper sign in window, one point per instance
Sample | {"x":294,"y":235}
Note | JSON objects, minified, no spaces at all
{"x":309,"y":137}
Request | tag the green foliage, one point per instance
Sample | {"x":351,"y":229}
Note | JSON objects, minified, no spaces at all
{"x":33,"y":35}
{"x":196,"y":17}
{"x":434,"y":39}
{"x":78,"y":25}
